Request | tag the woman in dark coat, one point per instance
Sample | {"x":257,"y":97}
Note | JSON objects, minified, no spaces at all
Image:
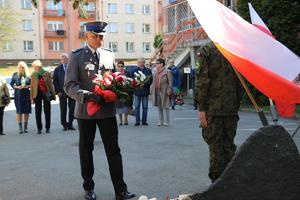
{"x":20,"y":81}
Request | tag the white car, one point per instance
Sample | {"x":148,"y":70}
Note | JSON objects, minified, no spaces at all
{"x":11,"y":90}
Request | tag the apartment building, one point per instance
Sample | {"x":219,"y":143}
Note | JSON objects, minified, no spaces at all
{"x":61,"y":26}
{"x":26,"y":42}
{"x":51,"y":29}
{"x":131,"y":28}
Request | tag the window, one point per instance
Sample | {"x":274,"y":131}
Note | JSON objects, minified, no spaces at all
{"x":26,"y":4}
{"x":54,"y":25}
{"x":28,"y":45}
{"x":112,"y":27}
{"x":112,"y":8}
{"x":130,"y":46}
{"x":3,"y":3}
{"x":146,"y":47}
{"x":129,"y":27}
{"x":27,"y":25}
{"x":228,"y":3}
{"x":90,"y":6}
{"x":129,"y":9}
{"x":7,"y":46}
{"x":146,"y":9}
{"x":52,"y":6}
{"x":55,"y":46}
{"x":83,"y":44}
{"x":146,"y":28}
{"x":82,"y":27}
{"x":113,"y":46}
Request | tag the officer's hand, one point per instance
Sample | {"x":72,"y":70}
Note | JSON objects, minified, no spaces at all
{"x":93,"y":97}
{"x":59,"y":94}
{"x":202,"y":118}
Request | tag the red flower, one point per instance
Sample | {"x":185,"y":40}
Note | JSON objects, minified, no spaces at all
{"x":133,"y":84}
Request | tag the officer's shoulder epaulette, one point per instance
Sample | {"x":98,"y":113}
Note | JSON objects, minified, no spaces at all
{"x":106,"y":49}
{"x":77,"y":50}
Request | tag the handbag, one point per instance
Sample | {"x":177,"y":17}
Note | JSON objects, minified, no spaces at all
{"x":48,"y":96}
{"x":5,"y":100}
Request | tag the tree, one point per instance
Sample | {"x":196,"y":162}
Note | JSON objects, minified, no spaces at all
{"x":8,"y":24}
{"x":158,"y":39}
{"x":283,"y":19}
{"x":76,"y":3}
{"x":281,"y":16}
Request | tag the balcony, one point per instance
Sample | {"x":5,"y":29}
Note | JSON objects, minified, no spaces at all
{"x":81,"y":34}
{"x":54,"y":13}
{"x":89,"y":15}
{"x":57,"y":33}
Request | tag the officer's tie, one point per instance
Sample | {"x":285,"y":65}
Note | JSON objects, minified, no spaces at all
{"x":96,"y":56}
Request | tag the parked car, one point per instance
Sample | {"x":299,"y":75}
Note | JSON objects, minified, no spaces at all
{"x":130,"y":68}
{"x":11,"y":90}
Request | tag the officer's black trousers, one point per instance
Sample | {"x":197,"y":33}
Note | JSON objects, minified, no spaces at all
{"x":39,"y":102}
{"x":109,"y":134}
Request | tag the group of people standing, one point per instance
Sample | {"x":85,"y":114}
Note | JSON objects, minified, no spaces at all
{"x":38,"y":88}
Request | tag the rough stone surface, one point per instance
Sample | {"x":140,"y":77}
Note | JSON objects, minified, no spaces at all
{"x":265,"y":167}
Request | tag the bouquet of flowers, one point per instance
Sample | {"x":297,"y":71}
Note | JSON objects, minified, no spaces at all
{"x":113,"y":86}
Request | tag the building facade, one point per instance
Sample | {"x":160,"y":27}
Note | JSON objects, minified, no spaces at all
{"x":51,"y":29}
{"x":26,"y":40}
{"x":132,"y":26}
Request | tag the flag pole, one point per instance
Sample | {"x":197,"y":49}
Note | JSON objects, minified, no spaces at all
{"x":273,"y":111}
{"x":259,"y":111}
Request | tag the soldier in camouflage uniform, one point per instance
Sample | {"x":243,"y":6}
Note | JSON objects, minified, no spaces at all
{"x":218,"y":93}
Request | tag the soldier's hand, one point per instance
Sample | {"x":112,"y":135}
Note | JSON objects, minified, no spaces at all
{"x":202,"y":118}
{"x":59,"y":94}
{"x":90,"y":96}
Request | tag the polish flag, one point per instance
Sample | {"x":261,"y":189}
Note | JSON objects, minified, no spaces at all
{"x":263,"y":61}
{"x":284,"y":109}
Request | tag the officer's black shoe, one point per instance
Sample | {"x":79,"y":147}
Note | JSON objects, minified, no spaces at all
{"x":48,"y":131}
{"x":124,"y":195}
{"x":90,"y":195}
{"x":39,"y":132}
{"x":145,"y":123}
{"x":65,"y":128}
{"x":136,"y":124}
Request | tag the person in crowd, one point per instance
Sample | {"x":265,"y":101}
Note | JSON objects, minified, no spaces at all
{"x":161,"y":91}
{"x":122,"y":108}
{"x":4,"y":101}
{"x":42,"y":92}
{"x":176,"y":82}
{"x":64,"y":100}
{"x":141,"y":94}
{"x":82,"y":67}
{"x":219,"y":93}
{"x":20,"y":81}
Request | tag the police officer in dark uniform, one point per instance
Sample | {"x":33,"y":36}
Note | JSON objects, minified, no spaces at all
{"x":218,"y":95}
{"x":82,"y":67}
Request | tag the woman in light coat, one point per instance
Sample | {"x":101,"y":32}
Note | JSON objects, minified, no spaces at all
{"x":161,"y":91}
{"x":4,"y":95}
{"x":41,"y":84}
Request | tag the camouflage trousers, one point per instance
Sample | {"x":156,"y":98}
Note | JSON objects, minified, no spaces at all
{"x":219,"y":135}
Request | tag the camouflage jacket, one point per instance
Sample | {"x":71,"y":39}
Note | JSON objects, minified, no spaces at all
{"x":218,"y":90}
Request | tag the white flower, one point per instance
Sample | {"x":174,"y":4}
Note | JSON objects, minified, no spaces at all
{"x":143,"y":197}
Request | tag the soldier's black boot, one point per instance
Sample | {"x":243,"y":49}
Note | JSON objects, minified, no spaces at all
{"x":20,"y":128}
{"x":25,"y":127}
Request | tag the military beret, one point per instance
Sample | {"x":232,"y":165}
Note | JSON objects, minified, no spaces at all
{"x":96,"y":27}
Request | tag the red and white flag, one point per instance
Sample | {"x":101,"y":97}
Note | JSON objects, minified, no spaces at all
{"x":263,"y":61}
{"x":284,"y":109}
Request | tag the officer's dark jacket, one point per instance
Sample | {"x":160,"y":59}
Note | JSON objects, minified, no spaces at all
{"x":81,"y":70}
{"x":218,"y":90}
